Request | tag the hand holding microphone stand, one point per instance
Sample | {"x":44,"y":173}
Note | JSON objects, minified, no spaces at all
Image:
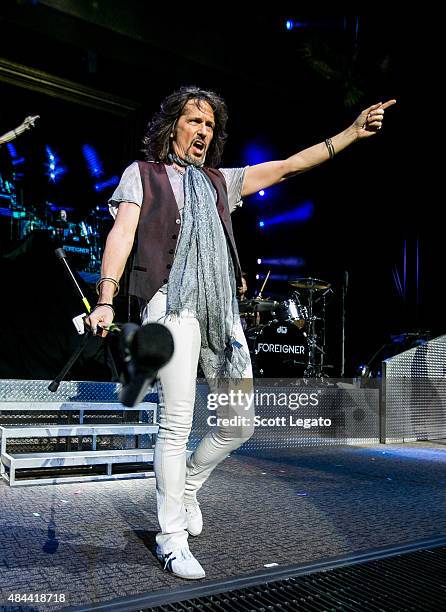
{"x":144,"y":349}
{"x":54,"y":385}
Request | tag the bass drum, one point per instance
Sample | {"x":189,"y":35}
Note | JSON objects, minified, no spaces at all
{"x":281,"y":350}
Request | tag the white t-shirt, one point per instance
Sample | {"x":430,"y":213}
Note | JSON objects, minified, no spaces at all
{"x":130,"y":187}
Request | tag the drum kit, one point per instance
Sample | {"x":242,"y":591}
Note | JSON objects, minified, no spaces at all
{"x":80,"y":239}
{"x":287,"y":338}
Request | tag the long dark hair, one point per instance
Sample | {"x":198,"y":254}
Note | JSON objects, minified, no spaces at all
{"x":156,"y":141}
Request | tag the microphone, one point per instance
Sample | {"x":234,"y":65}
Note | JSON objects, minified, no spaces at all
{"x":145,"y":350}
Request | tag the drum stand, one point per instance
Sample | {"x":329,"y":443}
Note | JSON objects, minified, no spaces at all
{"x":316,"y":353}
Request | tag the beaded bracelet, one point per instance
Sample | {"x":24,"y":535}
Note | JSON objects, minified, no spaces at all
{"x":107,"y":278}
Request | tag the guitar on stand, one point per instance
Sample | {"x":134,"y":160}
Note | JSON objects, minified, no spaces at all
{"x":19,"y":217}
{"x":27,"y":124}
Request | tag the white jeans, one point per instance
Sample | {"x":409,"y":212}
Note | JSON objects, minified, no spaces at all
{"x":176,"y":480}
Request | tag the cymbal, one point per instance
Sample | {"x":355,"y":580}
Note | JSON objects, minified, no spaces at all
{"x":310,"y":283}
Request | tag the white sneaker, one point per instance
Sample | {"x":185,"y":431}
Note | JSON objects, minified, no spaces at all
{"x":181,"y":562}
{"x":194,"y":517}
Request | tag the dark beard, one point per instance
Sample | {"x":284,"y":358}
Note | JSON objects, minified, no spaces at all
{"x":192,"y":161}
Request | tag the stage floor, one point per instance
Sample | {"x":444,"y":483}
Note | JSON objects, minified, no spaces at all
{"x":94,"y":542}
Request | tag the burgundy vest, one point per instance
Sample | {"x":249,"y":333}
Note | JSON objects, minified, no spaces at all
{"x":159,"y":228}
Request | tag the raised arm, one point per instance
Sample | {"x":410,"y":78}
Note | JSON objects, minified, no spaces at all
{"x":270,"y":173}
{"x":117,"y":250}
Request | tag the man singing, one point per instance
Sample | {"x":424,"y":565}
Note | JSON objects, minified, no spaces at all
{"x":175,"y":210}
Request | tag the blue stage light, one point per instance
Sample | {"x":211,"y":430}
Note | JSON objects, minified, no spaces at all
{"x":54,"y":170}
{"x":15,"y":159}
{"x":12,"y":150}
{"x":290,"y":24}
{"x":259,"y":261}
{"x":275,"y":277}
{"x":262,"y":193}
{"x":94,"y":163}
{"x":256,"y":154}
{"x":284,"y":262}
{"x":299,"y":215}
{"x":261,"y":223}
{"x":111,"y":182}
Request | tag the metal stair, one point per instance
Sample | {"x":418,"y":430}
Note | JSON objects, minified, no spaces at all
{"x":28,"y":401}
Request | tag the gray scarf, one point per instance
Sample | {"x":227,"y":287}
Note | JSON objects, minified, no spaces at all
{"x":202,"y":278}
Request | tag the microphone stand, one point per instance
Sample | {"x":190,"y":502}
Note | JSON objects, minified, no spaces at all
{"x":54,"y":385}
